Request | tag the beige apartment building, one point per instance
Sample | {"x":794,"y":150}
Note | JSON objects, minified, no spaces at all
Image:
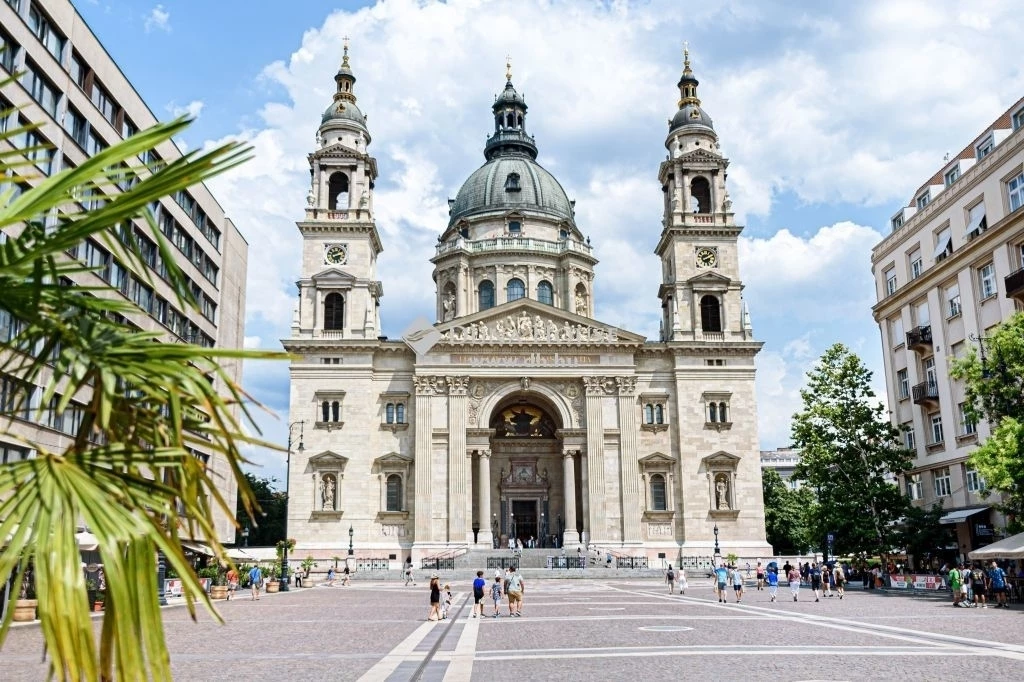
{"x":82,"y":103}
{"x":951,"y":270}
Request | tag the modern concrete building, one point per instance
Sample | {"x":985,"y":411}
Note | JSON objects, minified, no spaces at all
{"x":784,"y":461}
{"x":518,"y":414}
{"x":81,"y":101}
{"x":951,"y":270}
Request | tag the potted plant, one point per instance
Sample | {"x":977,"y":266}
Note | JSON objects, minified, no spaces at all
{"x":336,"y":559}
{"x":100,"y":603}
{"x":270,"y":576}
{"x":307,"y":565}
{"x":218,"y":582}
{"x":26,"y":603}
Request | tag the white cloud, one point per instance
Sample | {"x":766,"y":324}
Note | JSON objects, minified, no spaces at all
{"x":193,"y":109}
{"x":855,"y":106}
{"x":158,"y":19}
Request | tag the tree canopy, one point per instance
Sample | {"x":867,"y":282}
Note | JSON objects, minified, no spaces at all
{"x":268,"y":527}
{"x":850,"y":453}
{"x":994,"y":384}
{"x":787,"y":514}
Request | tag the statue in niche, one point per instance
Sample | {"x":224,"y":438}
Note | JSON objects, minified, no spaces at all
{"x":364,"y":200}
{"x":327,"y":490}
{"x":448,"y":307}
{"x":310,"y":198}
{"x":581,"y":302}
{"x":722,"y":493}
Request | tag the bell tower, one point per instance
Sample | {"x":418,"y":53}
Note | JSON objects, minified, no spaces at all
{"x":339,"y":295}
{"x":701,"y":290}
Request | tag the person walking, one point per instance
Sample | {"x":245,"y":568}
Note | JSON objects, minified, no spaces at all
{"x":670,"y":578}
{"x":955,"y":578}
{"x":979,"y":585}
{"x":408,"y":573}
{"x":255,"y":581}
{"x":330,"y":577}
{"x":997,"y":585}
{"x":232,"y":579}
{"x":815,"y":574}
{"x":721,"y":579}
{"x":965,"y":584}
{"x":347,"y":576}
{"x":737,"y":583}
{"x":516,"y":590}
{"x":794,"y":582}
{"x":435,"y":598}
{"x":773,"y":584}
{"x":828,"y":581}
{"x":759,"y":571}
{"x":446,"y":601}
{"x":681,"y":578}
{"x":478,"y":594}
{"x":496,"y":595}
{"x":840,"y":577}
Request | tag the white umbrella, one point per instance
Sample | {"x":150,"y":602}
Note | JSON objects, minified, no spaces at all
{"x":87,"y":542}
{"x":1007,"y":548}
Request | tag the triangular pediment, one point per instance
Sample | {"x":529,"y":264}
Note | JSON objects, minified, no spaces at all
{"x":337,"y":150}
{"x":530,"y":322}
{"x":721,"y":460}
{"x":328,"y":460}
{"x":709,"y":278}
{"x":393,"y":461}
{"x":656,"y":458}
{"x":333,"y":277}
{"x":700,"y":156}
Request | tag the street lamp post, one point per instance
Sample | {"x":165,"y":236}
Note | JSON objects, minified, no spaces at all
{"x":351,"y":532}
{"x":245,"y":535}
{"x":287,"y":483}
{"x":718,"y":552}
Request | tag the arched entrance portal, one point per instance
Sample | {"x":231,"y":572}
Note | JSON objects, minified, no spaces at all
{"x":529,"y":475}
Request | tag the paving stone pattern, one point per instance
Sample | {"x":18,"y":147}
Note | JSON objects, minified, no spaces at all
{"x":583,"y":629}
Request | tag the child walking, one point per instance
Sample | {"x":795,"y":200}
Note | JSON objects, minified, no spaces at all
{"x":496,"y":595}
{"x":446,"y":601}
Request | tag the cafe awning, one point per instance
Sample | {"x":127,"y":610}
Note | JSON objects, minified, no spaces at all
{"x":1007,"y":548}
{"x":197,"y":547}
{"x":960,"y":514}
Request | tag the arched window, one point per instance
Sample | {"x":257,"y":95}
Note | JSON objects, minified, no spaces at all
{"x":512,"y":183}
{"x":394,"y":493}
{"x":700,"y":193}
{"x":722,"y":414}
{"x":486,"y":294}
{"x":389,"y":412}
{"x":659,"y":414}
{"x":712,"y":412}
{"x":331,"y":411}
{"x":336,"y":411}
{"x":710,"y":314}
{"x":510,"y":119}
{"x":400,"y":413}
{"x":334,"y":311}
{"x":337,"y":191}
{"x":648,"y":414}
{"x":545,"y":293}
{"x":658,"y":492}
{"x":515,"y":289}
{"x":326,"y":405}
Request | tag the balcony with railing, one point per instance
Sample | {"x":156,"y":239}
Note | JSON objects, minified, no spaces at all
{"x":926,"y":393}
{"x":514,"y":244}
{"x":920,"y":338}
{"x":1015,"y":285}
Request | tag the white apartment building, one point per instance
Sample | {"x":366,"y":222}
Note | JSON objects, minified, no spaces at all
{"x":951,"y":271}
{"x":70,"y":87}
{"x":784,"y":461}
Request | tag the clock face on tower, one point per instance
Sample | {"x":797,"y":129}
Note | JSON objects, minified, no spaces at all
{"x":335,"y":254}
{"x":707,"y":257}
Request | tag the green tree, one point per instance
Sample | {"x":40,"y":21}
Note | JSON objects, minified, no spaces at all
{"x":995,"y":392}
{"x":786,"y":514}
{"x":268,"y":528}
{"x":128,"y":472}
{"x":922,"y":535}
{"x":849,"y":453}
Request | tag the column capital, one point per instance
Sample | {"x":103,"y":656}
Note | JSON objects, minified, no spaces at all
{"x":457,"y":385}
{"x":597,"y":385}
{"x":626,"y":384}
{"x":484,"y":453}
{"x":427,"y":385}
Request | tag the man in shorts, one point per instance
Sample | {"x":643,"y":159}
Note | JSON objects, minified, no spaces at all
{"x":979,"y":585}
{"x":815,"y":574}
{"x":721,"y":579}
{"x":737,"y":583}
{"x":255,"y":581}
{"x":773,"y":583}
{"x":955,"y":583}
{"x":516,"y":589}
{"x":760,"y":576}
{"x":478,"y":594}
{"x":840,"y":577}
{"x":997,"y":585}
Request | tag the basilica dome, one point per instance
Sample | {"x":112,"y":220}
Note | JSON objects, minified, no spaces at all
{"x":508,"y":183}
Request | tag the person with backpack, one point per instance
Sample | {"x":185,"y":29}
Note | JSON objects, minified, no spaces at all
{"x":670,"y":578}
{"x":979,"y":585}
{"x":954,"y":584}
{"x":839,"y":575}
{"x":478,"y":594}
{"x":997,"y":585}
{"x":815,"y":574}
{"x":255,"y":581}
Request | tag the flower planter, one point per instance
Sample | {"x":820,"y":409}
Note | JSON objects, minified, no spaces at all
{"x":25,"y":610}
{"x":219,"y":592}
{"x":273,"y":586}
{"x":97,"y":606}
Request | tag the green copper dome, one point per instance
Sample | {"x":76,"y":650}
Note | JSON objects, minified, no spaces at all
{"x":508,"y":183}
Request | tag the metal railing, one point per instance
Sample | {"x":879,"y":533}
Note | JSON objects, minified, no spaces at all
{"x":373,"y":564}
{"x":697,"y":563}
{"x":631,"y":562}
{"x":925,"y":391}
{"x":567,"y":562}
{"x":439,"y":563}
{"x":503,"y":562}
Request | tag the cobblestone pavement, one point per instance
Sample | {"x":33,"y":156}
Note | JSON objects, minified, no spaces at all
{"x":584,"y":629}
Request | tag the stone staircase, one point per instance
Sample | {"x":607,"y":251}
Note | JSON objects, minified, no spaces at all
{"x":532,"y":563}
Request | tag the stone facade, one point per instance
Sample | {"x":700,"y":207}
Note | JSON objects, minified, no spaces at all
{"x":518,"y":414}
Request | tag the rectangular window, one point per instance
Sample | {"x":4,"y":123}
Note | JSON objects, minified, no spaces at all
{"x":898,"y":336}
{"x":8,"y":50}
{"x":929,"y":370}
{"x":909,"y":439}
{"x":984,"y":148}
{"x":943,"y":244}
{"x":128,"y":128}
{"x":976,"y":221}
{"x":914,"y":487}
{"x":958,"y":349}
{"x":42,"y":90}
{"x":104,"y":102}
{"x":44,"y":30}
{"x":916,"y":264}
{"x":903,"y":384}
{"x":34,"y":146}
{"x":1015,"y":188}
{"x":890,"y":281}
{"x":79,"y":71}
{"x":953,"y":300}
{"x":897,"y":221}
{"x":936,"y":423}
{"x":9,"y":454}
{"x":987,"y":281}
{"x":942,"y":482}
{"x":967,"y":426}
{"x":16,"y":398}
{"x":952,"y":175}
{"x":77,"y":127}
{"x":1018,"y":120}
{"x":924,"y":199}
{"x":975,"y":483}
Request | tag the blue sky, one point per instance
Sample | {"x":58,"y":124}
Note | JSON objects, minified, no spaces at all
{"x":831,"y":114}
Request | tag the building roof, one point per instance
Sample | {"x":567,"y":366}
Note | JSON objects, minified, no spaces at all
{"x":487,"y":189}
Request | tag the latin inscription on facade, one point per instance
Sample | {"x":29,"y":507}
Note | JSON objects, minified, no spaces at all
{"x":526,"y":360}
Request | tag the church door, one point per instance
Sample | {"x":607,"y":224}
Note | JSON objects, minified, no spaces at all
{"x":525,"y":514}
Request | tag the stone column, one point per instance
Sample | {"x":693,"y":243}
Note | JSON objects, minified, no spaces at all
{"x":458,"y":470}
{"x":485,"y":538}
{"x":595,"y":391}
{"x":585,"y":495}
{"x":425,"y":389}
{"x":571,"y":537}
{"x":629,"y":464}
